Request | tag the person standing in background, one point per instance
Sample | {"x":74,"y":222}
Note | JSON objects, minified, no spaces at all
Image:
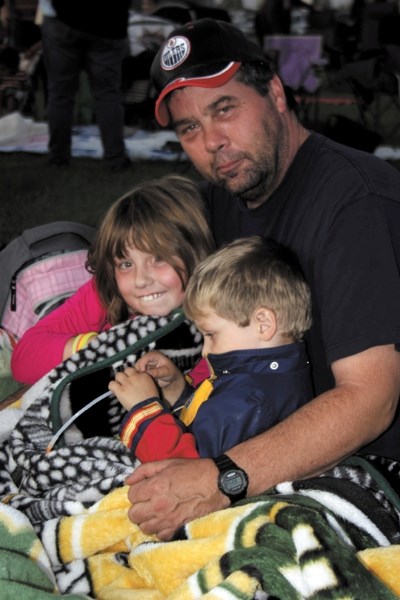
{"x":85,"y":35}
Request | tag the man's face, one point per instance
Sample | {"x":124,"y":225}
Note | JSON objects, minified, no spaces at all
{"x":234,"y":137}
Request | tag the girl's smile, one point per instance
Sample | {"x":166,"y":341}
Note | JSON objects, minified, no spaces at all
{"x":148,"y":284}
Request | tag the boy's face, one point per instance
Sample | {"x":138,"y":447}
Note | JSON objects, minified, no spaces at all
{"x":221,"y":335}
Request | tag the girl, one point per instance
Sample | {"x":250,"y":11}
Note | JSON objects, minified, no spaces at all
{"x":145,"y":251}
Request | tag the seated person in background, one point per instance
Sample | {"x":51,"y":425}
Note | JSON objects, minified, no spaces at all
{"x":146,"y":32}
{"x":252,"y":305}
{"x":13,"y":82}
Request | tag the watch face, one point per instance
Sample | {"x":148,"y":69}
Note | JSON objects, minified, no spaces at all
{"x":233,"y":481}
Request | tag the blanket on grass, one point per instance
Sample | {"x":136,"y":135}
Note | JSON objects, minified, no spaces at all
{"x":64,"y":528}
{"x":21,"y":134}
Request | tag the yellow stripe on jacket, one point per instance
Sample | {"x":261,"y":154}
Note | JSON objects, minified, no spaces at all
{"x":189,"y":411}
{"x":131,"y":428}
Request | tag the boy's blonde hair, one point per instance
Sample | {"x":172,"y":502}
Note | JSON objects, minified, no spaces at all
{"x":163,"y":217}
{"x":248,"y":274}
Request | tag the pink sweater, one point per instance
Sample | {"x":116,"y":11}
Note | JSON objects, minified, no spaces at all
{"x":41,"y":347}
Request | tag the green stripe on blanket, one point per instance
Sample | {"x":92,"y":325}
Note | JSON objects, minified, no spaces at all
{"x":25,"y":571}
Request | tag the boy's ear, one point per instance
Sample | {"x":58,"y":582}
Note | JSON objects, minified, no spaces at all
{"x":265,"y":320}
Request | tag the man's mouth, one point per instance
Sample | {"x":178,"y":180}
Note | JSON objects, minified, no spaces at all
{"x":228,"y":166}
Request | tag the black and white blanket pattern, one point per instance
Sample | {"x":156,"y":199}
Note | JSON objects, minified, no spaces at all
{"x":83,"y":469}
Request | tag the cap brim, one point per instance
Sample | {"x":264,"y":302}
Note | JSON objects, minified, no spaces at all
{"x":205,"y":81}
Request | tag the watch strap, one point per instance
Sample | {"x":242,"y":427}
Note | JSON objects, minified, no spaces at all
{"x":223,"y":463}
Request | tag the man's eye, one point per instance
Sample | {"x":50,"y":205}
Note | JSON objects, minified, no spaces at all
{"x":225,"y":110}
{"x":186,"y":130}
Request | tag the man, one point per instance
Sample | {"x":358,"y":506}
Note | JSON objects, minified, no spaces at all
{"x":91,"y":36}
{"x":339,"y":210}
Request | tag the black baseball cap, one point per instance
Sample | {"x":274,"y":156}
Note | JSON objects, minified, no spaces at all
{"x":203,"y":53}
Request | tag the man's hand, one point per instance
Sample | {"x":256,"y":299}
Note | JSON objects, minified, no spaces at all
{"x":313,"y":439}
{"x":165,"y":372}
{"x":131,"y":387}
{"x":163,"y":498}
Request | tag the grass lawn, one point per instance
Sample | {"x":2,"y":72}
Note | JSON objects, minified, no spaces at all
{"x":33,"y":193}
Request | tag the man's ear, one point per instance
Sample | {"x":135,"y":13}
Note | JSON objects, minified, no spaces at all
{"x":277,"y":93}
{"x":265,"y":320}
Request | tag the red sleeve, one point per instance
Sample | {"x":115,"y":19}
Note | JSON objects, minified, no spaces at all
{"x":41,"y":347}
{"x":154,"y":434}
{"x":164,"y":438}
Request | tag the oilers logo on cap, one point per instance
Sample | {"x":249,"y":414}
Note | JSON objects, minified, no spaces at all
{"x":175,"y":52}
{"x":204,"y":53}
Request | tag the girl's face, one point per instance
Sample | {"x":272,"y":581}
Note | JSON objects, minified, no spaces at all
{"x":148,"y":284}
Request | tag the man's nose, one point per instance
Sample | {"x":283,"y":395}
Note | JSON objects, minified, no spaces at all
{"x":214,"y":138}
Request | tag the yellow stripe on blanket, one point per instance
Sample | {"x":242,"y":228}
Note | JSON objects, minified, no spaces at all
{"x":163,"y":565}
{"x":114,"y":581}
{"x":105,"y":527}
{"x":384,"y":563}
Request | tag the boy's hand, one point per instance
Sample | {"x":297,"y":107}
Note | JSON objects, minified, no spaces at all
{"x":159,"y":366}
{"x":131,"y":387}
{"x":165,"y":372}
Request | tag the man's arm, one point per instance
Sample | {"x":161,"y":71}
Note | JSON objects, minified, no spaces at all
{"x":167,"y":494}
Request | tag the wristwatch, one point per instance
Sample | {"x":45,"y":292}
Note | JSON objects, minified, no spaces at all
{"x":232,"y":480}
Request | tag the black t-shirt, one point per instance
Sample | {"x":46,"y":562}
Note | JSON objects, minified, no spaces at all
{"x":339,"y":210}
{"x":97,"y":17}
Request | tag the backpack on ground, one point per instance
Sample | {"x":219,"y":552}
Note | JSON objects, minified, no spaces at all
{"x":40,"y":269}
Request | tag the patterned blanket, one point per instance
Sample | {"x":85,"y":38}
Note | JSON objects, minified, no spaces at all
{"x":89,"y":460}
{"x":64,"y":528}
{"x":328,"y":538}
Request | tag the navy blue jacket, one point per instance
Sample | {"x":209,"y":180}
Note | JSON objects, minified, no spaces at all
{"x":249,"y":392}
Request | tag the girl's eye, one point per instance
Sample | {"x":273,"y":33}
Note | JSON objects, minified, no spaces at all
{"x":123,"y":265}
{"x":158,"y":261}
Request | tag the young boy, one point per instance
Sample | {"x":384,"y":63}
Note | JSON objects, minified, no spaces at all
{"x":252,"y":305}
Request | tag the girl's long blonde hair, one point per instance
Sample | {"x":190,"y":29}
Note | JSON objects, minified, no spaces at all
{"x":163,"y":217}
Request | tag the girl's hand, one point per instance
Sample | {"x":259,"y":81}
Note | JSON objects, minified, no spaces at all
{"x":131,"y":387}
